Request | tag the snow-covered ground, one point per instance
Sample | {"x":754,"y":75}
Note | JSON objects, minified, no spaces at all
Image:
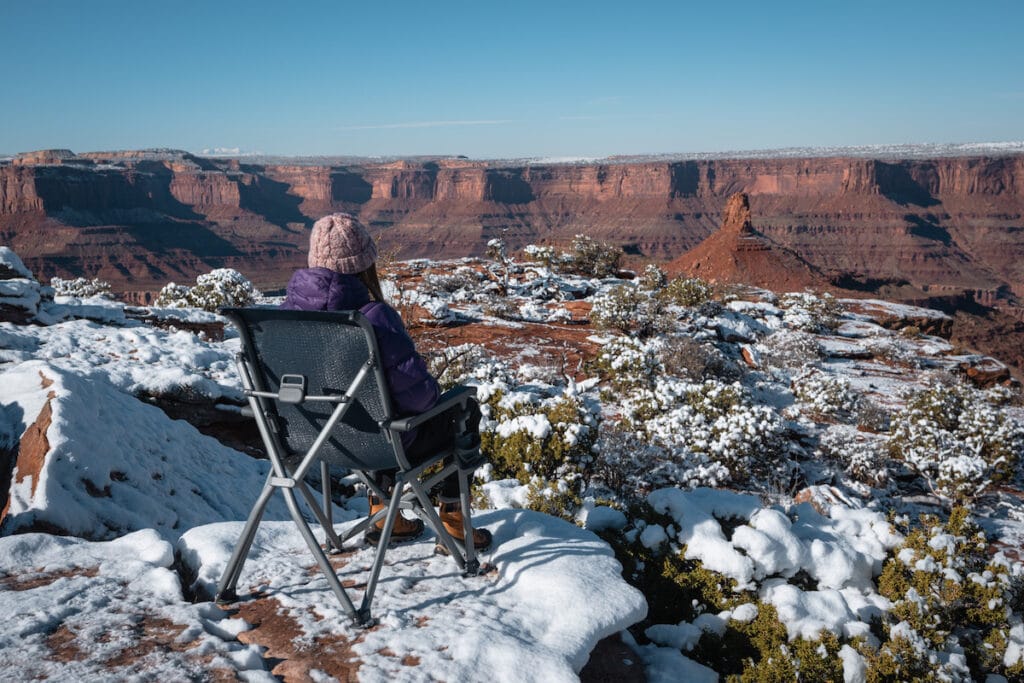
{"x":707,"y":469}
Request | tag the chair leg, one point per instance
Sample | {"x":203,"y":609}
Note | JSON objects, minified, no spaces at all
{"x":321,"y":558}
{"x":394,"y":506}
{"x":325,"y":485}
{"x":324,"y":520}
{"x":472,"y":564}
{"x":229,"y":578}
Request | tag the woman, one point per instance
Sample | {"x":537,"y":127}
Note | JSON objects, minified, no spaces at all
{"x":342,"y":276}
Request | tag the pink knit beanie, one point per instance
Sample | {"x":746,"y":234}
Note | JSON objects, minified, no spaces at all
{"x":341,"y":243}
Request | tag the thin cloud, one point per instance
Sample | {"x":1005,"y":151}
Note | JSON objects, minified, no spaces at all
{"x":429,"y":124}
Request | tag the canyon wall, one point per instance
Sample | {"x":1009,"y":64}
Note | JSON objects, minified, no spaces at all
{"x":139,"y":219}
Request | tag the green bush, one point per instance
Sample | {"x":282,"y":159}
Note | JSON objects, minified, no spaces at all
{"x":591,"y":258}
{"x":630,"y":309}
{"x":946,"y":587}
{"x":553,"y":440}
{"x":688,"y":292}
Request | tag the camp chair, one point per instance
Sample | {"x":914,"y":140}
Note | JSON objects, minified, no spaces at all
{"x":317,"y":390}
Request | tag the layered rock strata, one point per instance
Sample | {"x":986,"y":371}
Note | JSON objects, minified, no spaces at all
{"x":913,"y":230}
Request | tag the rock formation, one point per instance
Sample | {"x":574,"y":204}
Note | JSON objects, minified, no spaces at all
{"x":736,"y":253}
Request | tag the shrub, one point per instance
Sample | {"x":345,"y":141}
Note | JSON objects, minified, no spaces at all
{"x":653,"y":278}
{"x":862,"y":457}
{"x":628,"y":308}
{"x":683,"y":356}
{"x":551,"y":439}
{"x":714,"y":431}
{"x":547,"y":256}
{"x":626,"y":362}
{"x":951,"y":596}
{"x":216,"y":289}
{"x":786,"y":349}
{"x":677,"y":589}
{"x":81,"y":288}
{"x":589,"y":257}
{"x":810,"y":312}
{"x":688,"y":292}
{"x":958,"y":441}
{"x":824,"y":394}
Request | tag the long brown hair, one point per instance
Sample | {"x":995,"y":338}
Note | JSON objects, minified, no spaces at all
{"x":369,"y":278}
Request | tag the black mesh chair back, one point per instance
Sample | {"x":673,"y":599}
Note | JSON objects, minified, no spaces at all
{"x":328,"y":349}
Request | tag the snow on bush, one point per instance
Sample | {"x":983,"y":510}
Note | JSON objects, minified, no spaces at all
{"x":952,"y":600}
{"x":627,"y":362}
{"x":81,"y":287}
{"x":687,"y":292}
{"x":810,"y":312}
{"x":628,"y":308}
{"x":653,"y":278}
{"x":861,"y":456}
{"x":824,"y":395}
{"x":218,"y":288}
{"x":589,"y":257}
{"x":957,"y":440}
{"x":713,"y":430}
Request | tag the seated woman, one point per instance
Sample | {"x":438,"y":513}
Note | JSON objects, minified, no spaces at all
{"x":342,"y":276}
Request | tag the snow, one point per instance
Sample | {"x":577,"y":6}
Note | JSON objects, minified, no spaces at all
{"x":108,"y":598}
{"x":538,"y":606}
{"x":116,"y":464}
{"x":11,"y":261}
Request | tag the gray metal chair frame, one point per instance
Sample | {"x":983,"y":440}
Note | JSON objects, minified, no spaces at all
{"x":302,"y":423}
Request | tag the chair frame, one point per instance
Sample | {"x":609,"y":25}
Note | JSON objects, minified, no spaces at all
{"x":411,"y":490}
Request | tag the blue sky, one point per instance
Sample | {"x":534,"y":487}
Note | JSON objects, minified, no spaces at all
{"x":507,"y":79}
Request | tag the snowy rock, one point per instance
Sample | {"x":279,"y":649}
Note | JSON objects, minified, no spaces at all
{"x":95,"y":462}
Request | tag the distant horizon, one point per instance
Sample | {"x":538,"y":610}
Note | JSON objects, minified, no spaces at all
{"x":535,"y":79}
{"x":881,"y":150}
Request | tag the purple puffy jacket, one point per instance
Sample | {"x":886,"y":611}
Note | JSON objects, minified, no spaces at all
{"x":413,"y":389}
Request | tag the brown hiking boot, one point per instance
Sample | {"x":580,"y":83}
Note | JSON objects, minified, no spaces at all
{"x":404,"y":530}
{"x":451,"y":518}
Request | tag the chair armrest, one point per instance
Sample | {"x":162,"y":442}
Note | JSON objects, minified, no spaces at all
{"x":448,"y":399}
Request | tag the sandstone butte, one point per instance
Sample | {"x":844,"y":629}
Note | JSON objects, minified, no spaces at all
{"x":945,"y":232}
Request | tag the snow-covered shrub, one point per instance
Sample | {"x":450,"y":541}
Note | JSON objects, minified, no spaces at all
{"x":687,"y":291}
{"x":653,"y":278}
{"x":714,"y":431}
{"x":81,"y":287}
{"x":824,"y":394}
{"x":589,"y":257}
{"x":862,"y":456}
{"x":810,"y":312}
{"x":683,"y":356}
{"x":871,"y":417}
{"x":630,"y":309}
{"x":787,"y":349}
{"x":958,"y":441}
{"x":218,"y":288}
{"x":677,"y":589}
{"x":758,"y":649}
{"x":627,"y":362}
{"x":547,"y":256}
{"x":951,"y":596}
{"x":527,"y":436}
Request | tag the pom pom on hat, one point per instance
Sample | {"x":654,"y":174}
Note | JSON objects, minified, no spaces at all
{"x":340,"y":242}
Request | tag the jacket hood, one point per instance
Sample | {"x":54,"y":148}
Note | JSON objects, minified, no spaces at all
{"x":323,"y":289}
